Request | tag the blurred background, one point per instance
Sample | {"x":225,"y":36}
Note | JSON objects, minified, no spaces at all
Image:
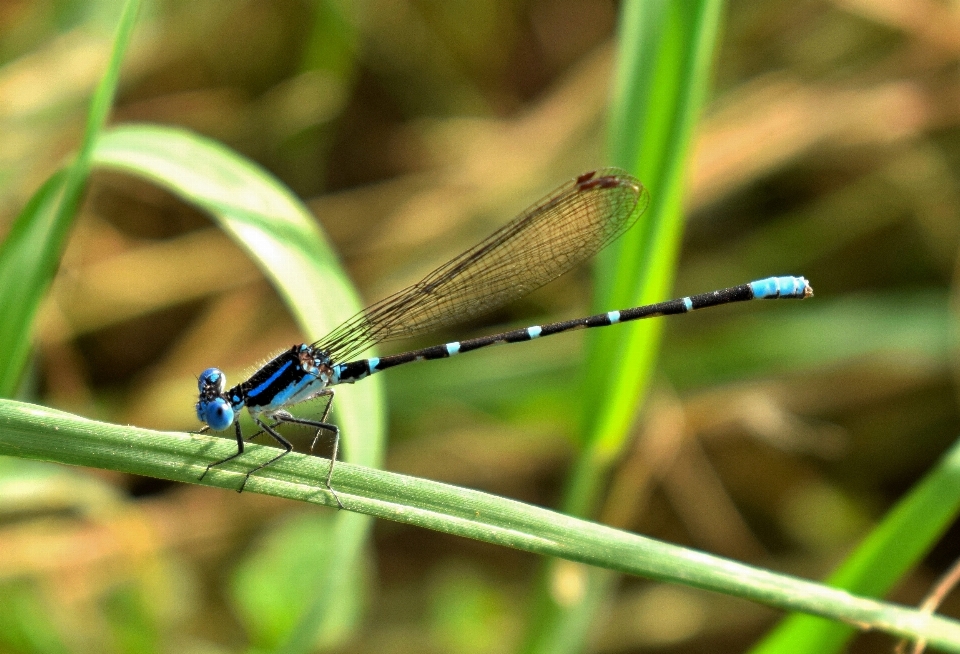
{"x":777,"y":435}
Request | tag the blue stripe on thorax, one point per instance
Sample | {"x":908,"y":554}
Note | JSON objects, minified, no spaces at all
{"x":262,"y":387}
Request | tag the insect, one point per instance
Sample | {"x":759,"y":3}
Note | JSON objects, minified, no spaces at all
{"x":564,"y":229}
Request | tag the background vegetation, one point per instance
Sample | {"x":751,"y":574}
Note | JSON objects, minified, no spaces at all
{"x":775,"y":435}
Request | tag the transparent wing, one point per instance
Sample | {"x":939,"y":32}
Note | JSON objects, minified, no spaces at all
{"x":562,"y":230}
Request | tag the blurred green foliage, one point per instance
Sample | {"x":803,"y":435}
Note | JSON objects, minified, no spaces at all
{"x":829,"y":147}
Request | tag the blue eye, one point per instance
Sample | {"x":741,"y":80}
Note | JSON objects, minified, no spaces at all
{"x":217,"y":413}
{"x":212,"y":377}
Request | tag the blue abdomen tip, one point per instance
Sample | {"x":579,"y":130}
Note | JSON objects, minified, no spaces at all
{"x":781,"y":287}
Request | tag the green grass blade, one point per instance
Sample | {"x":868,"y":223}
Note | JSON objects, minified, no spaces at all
{"x":30,"y":254}
{"x":664,"y":62}
{"x":280,"y":234}
{"x":26,"y":248}
{"x":896,"y":545}
{"x":35,"y":432}
{"x":653,"y":143}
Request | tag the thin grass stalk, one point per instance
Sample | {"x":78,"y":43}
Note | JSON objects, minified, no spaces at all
{"x":666,"y":49}
{"x":30,"y":255}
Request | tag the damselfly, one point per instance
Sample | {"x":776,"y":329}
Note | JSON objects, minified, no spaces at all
{"x":564,"y":229}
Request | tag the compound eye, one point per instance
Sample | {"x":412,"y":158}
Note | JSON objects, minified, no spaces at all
{"x":212,"y":377}
{"x":217,"y":413}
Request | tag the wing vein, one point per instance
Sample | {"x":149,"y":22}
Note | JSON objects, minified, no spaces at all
{"x":560,"y":231}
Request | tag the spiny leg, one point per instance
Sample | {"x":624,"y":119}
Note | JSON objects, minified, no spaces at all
{"x":286,"y":417}
{"x":329,"y":392}
{"x":232,"y":456}
{"x":326,"y":411}
{"x":319,"y":425}
{"x":287,"y":448}
{"x":260,"y":431}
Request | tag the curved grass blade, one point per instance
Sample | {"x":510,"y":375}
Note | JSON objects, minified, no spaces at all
{"x":280,"y":235}
{"x":35,"y":432}
{"x":30,"y":254}
{"x":272,"y":226}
